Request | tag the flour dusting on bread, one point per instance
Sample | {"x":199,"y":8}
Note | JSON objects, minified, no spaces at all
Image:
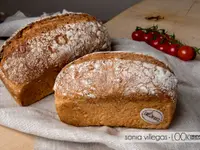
{"x":56,"y":47}
{"x":100,"y":78}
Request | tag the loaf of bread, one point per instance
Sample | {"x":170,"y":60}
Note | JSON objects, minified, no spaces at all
{"x":116,"y":89}
{"x":32,"y":58}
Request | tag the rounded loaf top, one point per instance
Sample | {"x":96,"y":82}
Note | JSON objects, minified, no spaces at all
{"x":106,"y":74}
{"x":51,"y":43}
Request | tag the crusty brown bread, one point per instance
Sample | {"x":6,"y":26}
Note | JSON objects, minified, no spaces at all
{"x":116,"y":89}
{"x":32,"y":58}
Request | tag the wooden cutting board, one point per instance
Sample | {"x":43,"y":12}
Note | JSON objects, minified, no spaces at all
{"x":179,"y":16}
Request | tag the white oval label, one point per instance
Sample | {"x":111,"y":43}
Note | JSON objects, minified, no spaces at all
{"x":151,"y":115}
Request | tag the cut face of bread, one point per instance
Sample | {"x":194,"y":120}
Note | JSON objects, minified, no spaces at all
{"x":116,"y":89}
{"x":33,"y":57}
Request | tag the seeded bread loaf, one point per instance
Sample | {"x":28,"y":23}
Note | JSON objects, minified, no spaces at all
{"x":32,"y":58}
{"x":116,"y":89}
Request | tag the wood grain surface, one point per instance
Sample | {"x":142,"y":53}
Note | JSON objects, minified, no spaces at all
{"x":180,"y":16}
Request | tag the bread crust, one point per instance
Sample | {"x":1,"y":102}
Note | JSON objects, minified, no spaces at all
{"x":29,"y":93}
{"x":120,"y":55}
{"x":113,"y":112}
{"x":110,"y":106}
{"x":38,"y":27}
{"x":33,"y":57}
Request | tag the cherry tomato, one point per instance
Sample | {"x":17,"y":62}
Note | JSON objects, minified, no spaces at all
{"x":137,"y":35}
{"x":147,"y":37}
{"x":195,"y":54}
{"x":165,"y":42}
{"x":173,"y":49}
{"x":160,"y":37}
{"x":154,"y":43}
{"x":162,"y":47}
{"x":186,"y":53}
{"x":154,"y":33}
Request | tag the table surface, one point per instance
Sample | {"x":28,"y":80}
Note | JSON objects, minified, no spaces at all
{"x":180,"y":17}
